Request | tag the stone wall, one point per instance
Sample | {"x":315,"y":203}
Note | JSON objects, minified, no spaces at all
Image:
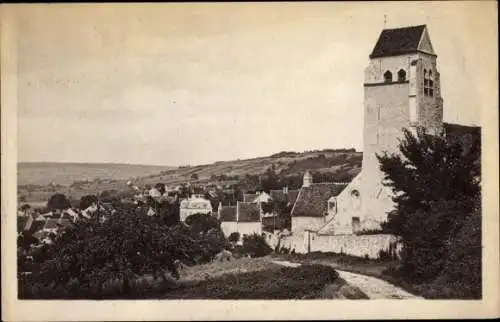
{"x":354,"y":245}
{"x":244,"y":228}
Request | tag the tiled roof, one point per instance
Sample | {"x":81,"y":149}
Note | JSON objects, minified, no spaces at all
{"x":278,"y":195}
{"x":228,"y":213}
{"x":392,"y":42}
{"x":248,"y":212}
{"x":292,"y":195}
{"x":249,"y":197}
{"x":312,"y":200}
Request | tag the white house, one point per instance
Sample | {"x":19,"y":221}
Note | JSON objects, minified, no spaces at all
{"x":194,"y":205}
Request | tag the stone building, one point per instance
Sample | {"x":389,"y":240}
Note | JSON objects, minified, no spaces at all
{"x":402,"y":90}
{"x":310,"y":210}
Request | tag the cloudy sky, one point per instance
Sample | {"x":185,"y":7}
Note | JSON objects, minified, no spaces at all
{"x":176,"y":84}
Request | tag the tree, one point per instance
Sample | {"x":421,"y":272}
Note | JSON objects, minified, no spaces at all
{"x":88,"y":201}
{"x":234,"y":237}
{"x":436,"y":186}
{"x":255,"y":245}
{"x":124,"y":247}
{"x":194,"y":176}
{"x":58,"y":201}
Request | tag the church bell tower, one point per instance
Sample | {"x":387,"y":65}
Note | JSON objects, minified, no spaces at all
{"x":401,"y":90}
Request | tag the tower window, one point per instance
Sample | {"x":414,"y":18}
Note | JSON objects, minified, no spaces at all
{"x":428,"y":83}
{"x":401,"y":75}
{"x":388,"y":77}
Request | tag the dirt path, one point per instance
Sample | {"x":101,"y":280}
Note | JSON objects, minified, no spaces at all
{"x":373,"y":287}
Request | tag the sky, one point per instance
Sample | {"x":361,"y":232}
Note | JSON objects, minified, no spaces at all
{"x":185,"y":83}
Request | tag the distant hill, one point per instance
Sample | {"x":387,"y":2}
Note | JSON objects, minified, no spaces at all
{"x":76,"y":180}
{"x":42,"y":173}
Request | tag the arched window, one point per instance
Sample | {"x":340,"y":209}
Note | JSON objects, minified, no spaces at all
{"x":401,"y":75}
{"x":428,"y":83}
{"x":388,"y":77}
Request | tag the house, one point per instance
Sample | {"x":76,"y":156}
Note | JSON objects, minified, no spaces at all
{"x":284,"y":195}
{"x":244,"y":218}
{"x":262,"y":197}
{"x":310,"y":210}
{"x":195,"y":204}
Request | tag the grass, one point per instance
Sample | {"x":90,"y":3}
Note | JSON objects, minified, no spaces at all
{"x":369,"y":267}
{"x":264,"y":280}
{"x":237,"y":279}
{"x":385,"y":270}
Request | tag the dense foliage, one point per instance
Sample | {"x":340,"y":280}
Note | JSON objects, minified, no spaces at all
{"x":255,"y":245}
{"x":436,"y":185}
{"x":87,"y":257}
{"x":58,"y":201}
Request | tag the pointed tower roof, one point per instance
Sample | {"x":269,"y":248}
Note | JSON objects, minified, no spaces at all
{"x":399,"y":41}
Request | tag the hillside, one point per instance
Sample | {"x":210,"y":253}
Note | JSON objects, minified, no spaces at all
{"x":42,"y":173}
{"x":79,"y":179}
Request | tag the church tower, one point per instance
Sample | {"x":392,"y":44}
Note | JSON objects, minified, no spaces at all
{"x":401,"y":90}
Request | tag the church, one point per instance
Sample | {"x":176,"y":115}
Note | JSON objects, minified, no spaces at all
{"x":401,"y":90}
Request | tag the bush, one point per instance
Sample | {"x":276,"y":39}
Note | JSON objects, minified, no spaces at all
{"x":234,"y":237}
{"x":255,"y":245}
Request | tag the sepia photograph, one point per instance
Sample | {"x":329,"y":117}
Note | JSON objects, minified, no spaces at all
{"x":249,"y":151}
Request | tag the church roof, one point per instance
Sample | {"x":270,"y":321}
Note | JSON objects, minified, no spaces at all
{"x":248,"y":212}
{"x":312,"y":200}
{"x":392,"y":42}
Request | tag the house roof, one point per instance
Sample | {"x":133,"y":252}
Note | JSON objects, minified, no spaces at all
{"x":392,"y":42}
{"x":228,"y":213}
{"x":278,"y":195}
{"x":248,"y":212}
{"x":281,"y":196}
{"x":249,"y":197}
{"x":312,"y":200}
{"x":292,"y":195}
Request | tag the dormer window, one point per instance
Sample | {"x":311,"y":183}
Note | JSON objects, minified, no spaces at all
{"x":401,"y":75}
{"x":387,"y":77}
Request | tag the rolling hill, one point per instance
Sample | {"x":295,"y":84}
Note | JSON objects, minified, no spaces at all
{"x":76,"y":180}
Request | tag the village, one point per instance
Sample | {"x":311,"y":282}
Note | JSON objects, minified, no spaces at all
{"x":402,"y":91}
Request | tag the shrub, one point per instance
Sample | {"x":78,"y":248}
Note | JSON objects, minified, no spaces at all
{"x":255,"y":245}
{"x":234,"y":237}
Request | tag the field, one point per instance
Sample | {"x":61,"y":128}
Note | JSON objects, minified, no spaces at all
{"x":243,"y":278}
{"x":42,"y":173}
